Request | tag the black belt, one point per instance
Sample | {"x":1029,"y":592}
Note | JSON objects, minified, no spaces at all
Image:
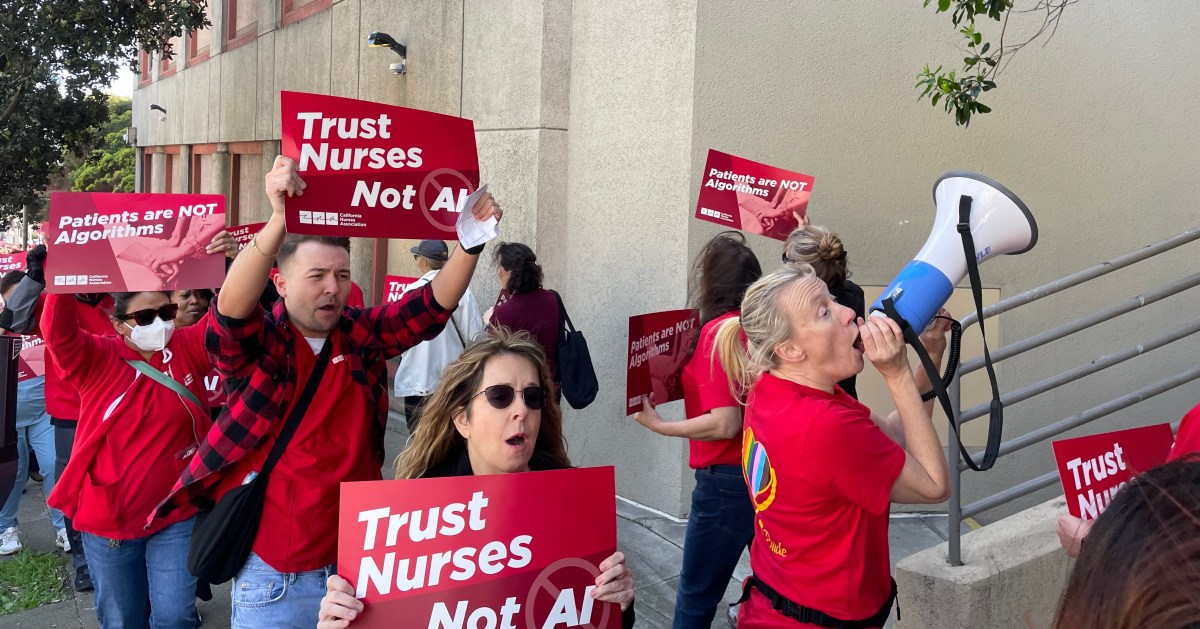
{"x":811,"y":616}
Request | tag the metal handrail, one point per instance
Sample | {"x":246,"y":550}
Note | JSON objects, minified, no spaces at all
{"x":957,"y":512}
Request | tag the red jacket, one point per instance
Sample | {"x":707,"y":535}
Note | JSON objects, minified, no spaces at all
{"x":135,"y":435}
{"x":62,"y":400}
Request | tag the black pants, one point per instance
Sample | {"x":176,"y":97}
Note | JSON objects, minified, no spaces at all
{"x":64,"y":441}
{"x":411,"y":404}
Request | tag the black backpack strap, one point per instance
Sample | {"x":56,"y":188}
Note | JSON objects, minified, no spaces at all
{"x":567,"y":326}
{"x":301,"y":407}
{"x":808,"y":615}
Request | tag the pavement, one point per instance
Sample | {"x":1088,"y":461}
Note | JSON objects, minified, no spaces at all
{"x":652,"y":543}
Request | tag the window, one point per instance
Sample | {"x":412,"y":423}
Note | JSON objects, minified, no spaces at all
{"x":241,"y":23}
{"x":169,"y":66}
{"x":145,"y":72}
{"x":199,"y":41}
{"x":147,"y":168}
{"x":296,"y":10}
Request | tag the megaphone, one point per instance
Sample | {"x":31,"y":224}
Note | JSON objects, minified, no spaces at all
{"x":999,"y":224}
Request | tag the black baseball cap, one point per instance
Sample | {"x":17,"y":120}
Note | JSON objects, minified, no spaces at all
{"x":435,"y":250}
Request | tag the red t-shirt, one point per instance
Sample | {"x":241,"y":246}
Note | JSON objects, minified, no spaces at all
{"x":820,"y":474}
{"x":537,"y":313}
{"x":62,"y":400}
{"x":332,"y":445}
{"x":1187,"y":439}
{"x":705,"y":387}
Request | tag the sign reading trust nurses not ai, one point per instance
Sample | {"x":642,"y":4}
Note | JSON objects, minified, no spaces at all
{"x":511,"y":551}
{"x":376,"y":171}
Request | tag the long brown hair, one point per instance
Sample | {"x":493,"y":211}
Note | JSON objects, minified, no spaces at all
{"x":436,"y":439}
{"x":721,"y":273}
{"x":1139,"y":567}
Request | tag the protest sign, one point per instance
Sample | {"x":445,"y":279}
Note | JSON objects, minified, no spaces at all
{"x":12,"y":262}
{"x":500,"y":550}
{"x":114,"y":242}
{"x":753,"y":197}
{"x":394,"y":287}
{"x":1094,"y":467}
{"x":31,"y":362}
{"x":659,"y":347}
{"x":374,"y":170}
{"x":242,"y":234}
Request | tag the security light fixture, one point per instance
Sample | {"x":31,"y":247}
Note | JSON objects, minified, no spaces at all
{"x":383,"y":40}
{"x":162,"y":116}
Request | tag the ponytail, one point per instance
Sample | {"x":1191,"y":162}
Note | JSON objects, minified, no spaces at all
{"x":729,"y":349}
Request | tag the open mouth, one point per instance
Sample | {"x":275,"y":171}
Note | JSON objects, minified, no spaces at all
{"x":516,"y":441}
{"x":858,"y":343}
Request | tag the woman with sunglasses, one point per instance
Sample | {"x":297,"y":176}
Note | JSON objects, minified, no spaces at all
{"x":492,"y":414}
{"x":141,"y":419}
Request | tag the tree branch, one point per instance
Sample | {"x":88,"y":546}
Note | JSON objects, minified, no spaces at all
{"x":12,"y":104}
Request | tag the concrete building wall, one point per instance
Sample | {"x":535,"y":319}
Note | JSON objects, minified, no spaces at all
{"x":593,"y":120}
{"x":1080,"y":131}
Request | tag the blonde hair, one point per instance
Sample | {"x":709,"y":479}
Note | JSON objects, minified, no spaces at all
{"x":765,"y":323}
{"x":436,"y":437}
{"x":821,"y":249}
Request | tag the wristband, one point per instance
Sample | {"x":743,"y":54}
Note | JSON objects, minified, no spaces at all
{"x":473,"y":251}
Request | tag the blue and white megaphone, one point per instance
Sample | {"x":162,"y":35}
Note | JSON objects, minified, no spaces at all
{"x":999,"y":224}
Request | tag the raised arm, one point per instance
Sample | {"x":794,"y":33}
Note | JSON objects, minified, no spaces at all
{"x":933,"y":338}
{"x":72,"y":348}
{"x":250,"y":270}
{"x":924,"y":477}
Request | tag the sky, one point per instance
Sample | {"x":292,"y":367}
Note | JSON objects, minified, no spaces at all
{"x":123,"y":85}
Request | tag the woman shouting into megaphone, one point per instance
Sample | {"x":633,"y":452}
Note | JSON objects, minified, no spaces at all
{"x":821,"y":468}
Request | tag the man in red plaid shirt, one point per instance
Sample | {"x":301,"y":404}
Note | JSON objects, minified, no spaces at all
{"x":265,"y":360}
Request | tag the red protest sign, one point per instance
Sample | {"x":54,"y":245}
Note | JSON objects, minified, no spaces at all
{"x":458,"y":552}
{"x":753,"y":197}
{"x":242,"y":234}
{"x":659,"y":346}
{"x":111,"y":242}
{"x":12,"y":262}
{"x":376,"y":171}
{"x":395,"y":285}
{"x":1094,"y":467}
{"x":31,"y":361}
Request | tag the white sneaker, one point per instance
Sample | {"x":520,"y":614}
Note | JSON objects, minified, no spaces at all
{"x":9,"y":541}
{"x":60,"y":540}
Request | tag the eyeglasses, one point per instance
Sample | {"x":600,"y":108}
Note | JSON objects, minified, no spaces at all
{"x":146,"y":317}
{"x":501,"y":396}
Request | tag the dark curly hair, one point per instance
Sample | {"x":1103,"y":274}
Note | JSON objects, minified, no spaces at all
{"x":521,"y":261}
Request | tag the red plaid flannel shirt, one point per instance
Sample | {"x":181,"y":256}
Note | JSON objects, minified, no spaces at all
{"x":253,"y":357}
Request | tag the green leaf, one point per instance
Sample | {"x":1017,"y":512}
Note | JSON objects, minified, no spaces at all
{"x":981,"y":108}
{"x":943,"y":5}
{"x":985,"y":48}
{"x":936,"y":97}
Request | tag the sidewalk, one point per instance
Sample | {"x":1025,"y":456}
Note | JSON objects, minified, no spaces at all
{"x":652,"y":544}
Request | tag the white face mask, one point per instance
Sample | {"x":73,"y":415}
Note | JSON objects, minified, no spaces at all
{"x":153,"y":337}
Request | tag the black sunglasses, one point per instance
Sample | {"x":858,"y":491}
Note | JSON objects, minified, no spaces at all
{"x":146,"y":317}
{"x":501,"y":396}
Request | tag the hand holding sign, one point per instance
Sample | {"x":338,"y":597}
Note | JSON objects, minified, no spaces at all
{"x":283,"y":182}
{"x":480,"y":224}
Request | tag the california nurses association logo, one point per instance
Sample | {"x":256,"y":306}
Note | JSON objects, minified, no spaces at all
{"x":757,"y":470}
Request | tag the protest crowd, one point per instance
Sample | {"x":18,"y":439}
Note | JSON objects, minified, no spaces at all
{"x":160,"y":486}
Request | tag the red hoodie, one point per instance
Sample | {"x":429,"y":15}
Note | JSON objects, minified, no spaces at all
{"x":135,"y":436}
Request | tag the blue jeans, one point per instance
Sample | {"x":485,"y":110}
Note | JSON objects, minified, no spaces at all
{"x":35,"y":436}
{"x":265,"y":597}
{"x":720,"y":526}
{"x":133,"y":574}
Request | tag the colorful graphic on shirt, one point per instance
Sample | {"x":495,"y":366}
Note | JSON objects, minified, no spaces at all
{"x":757,"y":470}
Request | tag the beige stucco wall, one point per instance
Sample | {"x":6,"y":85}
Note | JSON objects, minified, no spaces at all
{"x":593,"y":120}
{"x":1095,"y":132}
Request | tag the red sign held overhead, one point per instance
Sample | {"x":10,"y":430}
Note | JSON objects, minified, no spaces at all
{"x":113,"y":242}
{"x":376,"y":171}
{"x":12,"y":262}
{"x":1095,"y":467}
{"x":753,"y":197}
{"x":659,"y":347}
{"x":457,"y":553}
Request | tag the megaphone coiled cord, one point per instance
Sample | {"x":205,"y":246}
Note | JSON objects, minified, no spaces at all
{"x":952,"y":361}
